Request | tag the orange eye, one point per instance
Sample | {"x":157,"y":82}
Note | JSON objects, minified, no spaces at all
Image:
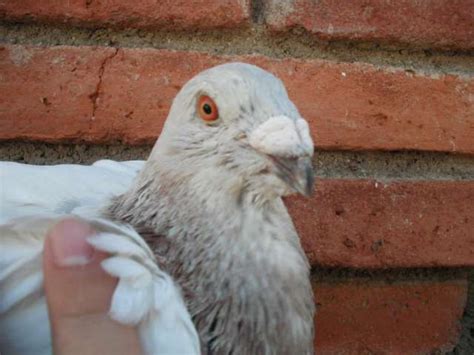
{"x":207,"y":109}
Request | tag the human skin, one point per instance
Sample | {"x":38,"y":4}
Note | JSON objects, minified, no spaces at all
{"x":78,"y":294}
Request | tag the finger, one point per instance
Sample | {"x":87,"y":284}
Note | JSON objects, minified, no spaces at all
{"x":79,"y":293}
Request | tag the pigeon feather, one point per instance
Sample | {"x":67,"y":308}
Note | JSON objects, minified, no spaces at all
{"x":222,"y":270}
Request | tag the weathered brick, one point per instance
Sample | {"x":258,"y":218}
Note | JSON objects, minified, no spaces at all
{"x":361,"y":317}
{"x":98,"y":95}
{"x":46,"y":94}
{"x":426,"y":23}
{"x":370,"y":224}
{"x":176,"y":15}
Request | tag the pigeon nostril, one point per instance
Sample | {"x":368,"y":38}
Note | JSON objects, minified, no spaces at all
{"x":283,"y":137}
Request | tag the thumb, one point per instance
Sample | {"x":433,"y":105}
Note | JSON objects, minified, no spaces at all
{"x":79,"y":293}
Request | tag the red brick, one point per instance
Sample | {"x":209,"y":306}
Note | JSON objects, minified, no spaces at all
{"x":425,"y":23}
{"x":45,"y":92}
{"x":369,"y":224}
{"x":176,"y":15}
{"x":348,"y":105}
{"x":360,"y":317}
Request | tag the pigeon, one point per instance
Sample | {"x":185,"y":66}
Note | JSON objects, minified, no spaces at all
{"x":207,"y":256}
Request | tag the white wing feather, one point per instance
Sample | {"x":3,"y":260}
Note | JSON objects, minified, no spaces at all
{"x":29,"y":189}
{"x":33,"y":198}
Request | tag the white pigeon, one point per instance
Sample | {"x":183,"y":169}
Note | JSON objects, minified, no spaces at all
{"x":226,"y":273}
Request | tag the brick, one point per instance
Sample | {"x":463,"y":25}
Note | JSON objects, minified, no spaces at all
{"x":368,"y":317}
{"x":175,"y":15}
{"x":47,"y":93}
{"x":98,"y":95}
{"x":426,"y":23}
{"x":370,"y":224}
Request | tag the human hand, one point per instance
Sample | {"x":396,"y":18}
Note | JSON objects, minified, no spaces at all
{"x":78,"y":294}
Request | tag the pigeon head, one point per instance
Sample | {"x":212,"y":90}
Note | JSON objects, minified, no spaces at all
{"x":235,"y":122}
{"x":208,"y":203}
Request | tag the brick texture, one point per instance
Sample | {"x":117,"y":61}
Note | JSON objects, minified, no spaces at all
{"x":362,"y":317}
{"x":369,"y":224}
{"x":350,"y":228}
{"x":179,"y":14}
{"x":426,"y":23}
{"x":105,"y":95}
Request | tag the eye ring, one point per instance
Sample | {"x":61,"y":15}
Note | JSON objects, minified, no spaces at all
{"x":207,"y":109}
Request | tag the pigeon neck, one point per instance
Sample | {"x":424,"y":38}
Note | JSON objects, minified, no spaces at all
{"x":236,"y":256}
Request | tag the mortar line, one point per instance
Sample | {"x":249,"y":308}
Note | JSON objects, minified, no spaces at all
{"x":392,"y":275}
{"x":255,"y":40}
{"x":379,"y":166}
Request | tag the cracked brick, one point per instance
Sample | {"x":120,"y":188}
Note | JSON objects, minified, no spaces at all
{"x":349,"y":106}
{"x":95,"y":96}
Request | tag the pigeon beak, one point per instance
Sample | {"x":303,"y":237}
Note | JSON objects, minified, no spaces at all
{"x":296,"y":172}
{"x":289,"y":146}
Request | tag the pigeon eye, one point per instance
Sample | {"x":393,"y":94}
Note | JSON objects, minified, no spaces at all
{"x":207,"y":109}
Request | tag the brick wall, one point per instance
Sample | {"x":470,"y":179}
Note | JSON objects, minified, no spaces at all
{"x":388,"y":90}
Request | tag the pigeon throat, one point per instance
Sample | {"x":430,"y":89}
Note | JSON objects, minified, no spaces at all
{"x":239,"y":263}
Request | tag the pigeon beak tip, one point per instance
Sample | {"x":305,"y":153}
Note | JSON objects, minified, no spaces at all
{"x":304,"y":179}
{"x":297,"y":173}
